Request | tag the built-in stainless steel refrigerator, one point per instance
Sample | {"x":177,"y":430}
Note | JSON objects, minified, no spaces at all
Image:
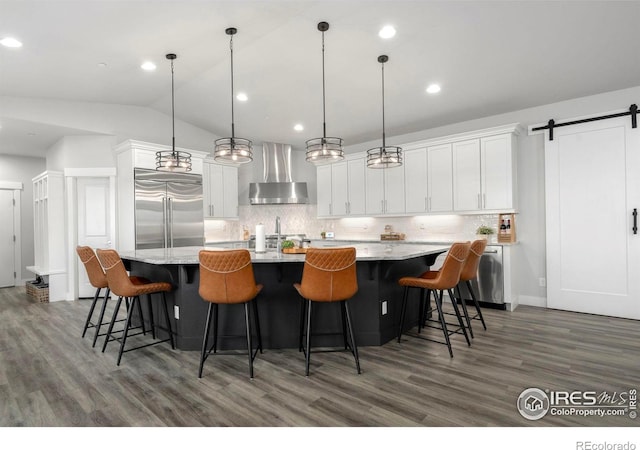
{"x":168,"y":209}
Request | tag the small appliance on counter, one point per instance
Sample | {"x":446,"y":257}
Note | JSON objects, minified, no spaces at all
{"x":390,"y":235}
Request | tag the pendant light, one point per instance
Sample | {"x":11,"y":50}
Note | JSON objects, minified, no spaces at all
{"x":233,"y":149}
{"x":387,"y":155}
{"x":324,"y":149}
{"x":173,"y":161}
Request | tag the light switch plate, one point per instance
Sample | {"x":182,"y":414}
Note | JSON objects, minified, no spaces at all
{"x":176,"y":312}
{"x":384,"y":307}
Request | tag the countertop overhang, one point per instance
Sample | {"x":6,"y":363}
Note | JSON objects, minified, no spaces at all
{"x":364,"y":252}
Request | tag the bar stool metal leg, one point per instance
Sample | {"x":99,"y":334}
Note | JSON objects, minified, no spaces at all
{"x":477,"y":305}
{"x":464,"y":310}
{"x":101,"y":318}
{"x":90,"y":315}
{"x":257,"y":319}
{"x":249,"y":344}
{"x":457,"y":311}
{"x":127,"y":325}
{"x":354,"y":347}
{"x":205,"y":340}
{"x":308,"y":349}
{"x":443,"y":323}
{"x":113,"y":321}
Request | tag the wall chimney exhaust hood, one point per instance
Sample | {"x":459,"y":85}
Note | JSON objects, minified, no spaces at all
{"x":277,"y":187}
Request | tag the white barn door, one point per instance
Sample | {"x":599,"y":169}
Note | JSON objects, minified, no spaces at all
{"x":592,"y":181}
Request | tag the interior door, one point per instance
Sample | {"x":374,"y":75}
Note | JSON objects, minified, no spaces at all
{"x":592,"y":187}
{"x":7,"y":250}
{"x":94,"y":222}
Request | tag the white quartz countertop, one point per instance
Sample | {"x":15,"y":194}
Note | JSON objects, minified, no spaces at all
{"x":364,"y":252}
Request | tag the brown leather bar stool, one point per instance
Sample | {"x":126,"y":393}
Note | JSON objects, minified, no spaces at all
{"x":98,"y":280}
{"x":131,"y":288}
{"x":329,"y":275}
{"x":468,"y":274}
{"x":226,"y":277}
{"x":445,"y":279}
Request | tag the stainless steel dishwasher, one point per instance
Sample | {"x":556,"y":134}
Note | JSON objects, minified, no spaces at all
{"x":490,"y":280}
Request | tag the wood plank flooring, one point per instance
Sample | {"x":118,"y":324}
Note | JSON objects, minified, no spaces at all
{"x":50,"y":376}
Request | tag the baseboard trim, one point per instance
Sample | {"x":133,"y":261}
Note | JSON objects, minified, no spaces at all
{"x":530,"y":300}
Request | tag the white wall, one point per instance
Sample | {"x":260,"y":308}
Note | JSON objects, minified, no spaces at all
{"x":23,"y":169}
{"x":81,"y":152}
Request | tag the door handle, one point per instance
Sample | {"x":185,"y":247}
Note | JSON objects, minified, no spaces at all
{"x":635,"y":220}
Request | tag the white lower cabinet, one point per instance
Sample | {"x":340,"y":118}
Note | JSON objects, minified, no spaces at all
{"x":220,"y":189}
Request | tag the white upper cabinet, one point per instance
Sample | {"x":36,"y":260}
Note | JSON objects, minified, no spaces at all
{"x":324,"y":190}
{"x":341,"y":188}
{"x":469,"y":172}
{"x":496,"y":157}
{"x":440,"y":178}
{"x":385,"y":191}
{"x":415,"y":181}
{"x":483,"y":173}
{"x":466,"y":175}
{"x":220,"y":188}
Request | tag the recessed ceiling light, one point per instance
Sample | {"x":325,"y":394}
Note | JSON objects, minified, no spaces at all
{"x":148,"y":66}
{"x":387,"y":32}
{"x":433,"y":88}
{"x":242,"y":97}
{"x":11,"y":42}
{"x":298,"y":127}
{"x":102,"y":65}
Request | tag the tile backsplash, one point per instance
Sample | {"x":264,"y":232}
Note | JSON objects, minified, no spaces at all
{"x":301,"y":219}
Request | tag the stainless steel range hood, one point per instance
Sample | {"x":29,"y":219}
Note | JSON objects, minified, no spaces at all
{"x":277,"y":187}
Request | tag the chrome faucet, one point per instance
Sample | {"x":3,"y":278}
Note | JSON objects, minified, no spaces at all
{"x":278,"y":236}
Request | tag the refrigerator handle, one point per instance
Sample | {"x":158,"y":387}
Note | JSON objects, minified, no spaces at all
{"x":170,"y":221}
{"x":164,"y":221}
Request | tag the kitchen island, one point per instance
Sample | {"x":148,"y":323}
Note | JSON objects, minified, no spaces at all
{"x":375,"y":308}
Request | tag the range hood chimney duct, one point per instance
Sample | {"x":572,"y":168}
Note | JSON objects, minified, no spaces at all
{"x":277,"y":187}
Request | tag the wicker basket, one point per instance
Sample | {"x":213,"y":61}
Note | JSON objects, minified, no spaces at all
{"x":37,"y":293}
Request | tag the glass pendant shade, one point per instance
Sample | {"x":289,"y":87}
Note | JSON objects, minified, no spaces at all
{"x":235,"y":150}
{"x":324,"y":149}
{"x":232,"y":149}
{"x":385,"y":156}
{"x":173,"y":161}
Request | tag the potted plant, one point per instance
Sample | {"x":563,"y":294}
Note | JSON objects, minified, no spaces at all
{"x":485,"y":232}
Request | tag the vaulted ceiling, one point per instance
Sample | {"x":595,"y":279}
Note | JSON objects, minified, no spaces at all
{"x":489,"y":57}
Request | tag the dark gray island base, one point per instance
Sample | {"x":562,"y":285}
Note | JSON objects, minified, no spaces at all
{"x":379,"y":266}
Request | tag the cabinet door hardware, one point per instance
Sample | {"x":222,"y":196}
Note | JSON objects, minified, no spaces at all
{"x":635,"y":220}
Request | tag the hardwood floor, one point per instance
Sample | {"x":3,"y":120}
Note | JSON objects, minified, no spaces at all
{"x":50,"y":376}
